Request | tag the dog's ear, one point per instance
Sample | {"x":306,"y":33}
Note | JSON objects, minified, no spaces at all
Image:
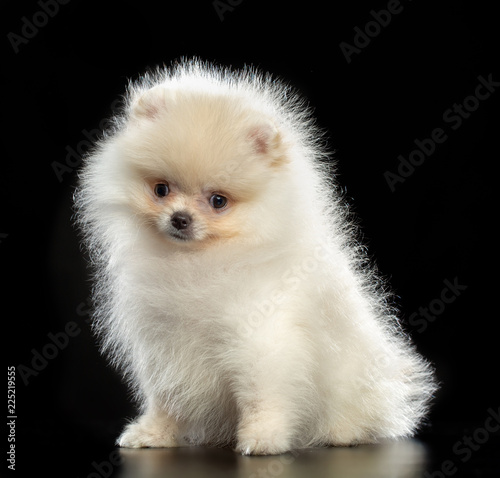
{"x":149,"y":104}
{"x":266,"y":140}
{"x":264,"y":137}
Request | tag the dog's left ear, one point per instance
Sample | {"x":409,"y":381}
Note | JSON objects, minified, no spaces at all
{"x":266,"y":140}
{"x":264,"y":137}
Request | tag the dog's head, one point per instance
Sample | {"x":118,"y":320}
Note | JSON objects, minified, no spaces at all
{"x":200,"y":164}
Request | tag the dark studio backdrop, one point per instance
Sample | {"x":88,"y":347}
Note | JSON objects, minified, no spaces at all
{"x":408,"y":92}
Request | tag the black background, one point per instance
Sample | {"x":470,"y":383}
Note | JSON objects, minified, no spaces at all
{"x":437,"y":225}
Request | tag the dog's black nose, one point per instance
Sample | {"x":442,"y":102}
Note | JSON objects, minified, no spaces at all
{"x":181,"y":220}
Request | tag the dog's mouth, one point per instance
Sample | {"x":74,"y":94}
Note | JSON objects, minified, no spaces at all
{"x":181,"y":236}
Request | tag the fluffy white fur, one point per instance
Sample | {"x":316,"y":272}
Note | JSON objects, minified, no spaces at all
{"x":262,"y":327}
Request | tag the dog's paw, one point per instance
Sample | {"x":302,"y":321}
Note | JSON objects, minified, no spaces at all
{"x":148,"y":433}
{"x":262,"y":446}
{"x":262,"y":439}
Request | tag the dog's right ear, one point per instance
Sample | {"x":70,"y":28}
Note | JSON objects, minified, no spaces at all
{"x":149,"y":104}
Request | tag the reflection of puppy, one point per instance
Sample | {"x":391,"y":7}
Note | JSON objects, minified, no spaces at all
{"x":229,"y":288}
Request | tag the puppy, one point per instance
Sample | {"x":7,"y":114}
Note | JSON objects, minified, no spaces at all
{"x":229,"y":287}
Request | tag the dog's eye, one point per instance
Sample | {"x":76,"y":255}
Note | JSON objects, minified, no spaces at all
{"x":217,"y":201}
{"x":161,"y":190}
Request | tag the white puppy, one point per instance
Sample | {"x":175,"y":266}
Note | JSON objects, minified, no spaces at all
{"x":229,"y":288}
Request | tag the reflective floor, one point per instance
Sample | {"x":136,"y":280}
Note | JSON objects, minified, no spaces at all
{"x":395,"y":459}
{"x":87,"y":451}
